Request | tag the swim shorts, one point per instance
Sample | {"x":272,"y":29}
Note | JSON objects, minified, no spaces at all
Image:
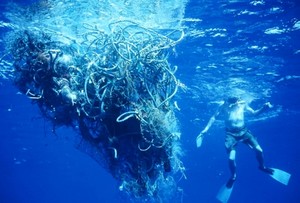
{"x":234,"y":136}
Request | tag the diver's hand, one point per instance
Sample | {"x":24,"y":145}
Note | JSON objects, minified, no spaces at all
{"x":200,"y":135}
{"x":199,"y":139}
{"x":268,"y":105}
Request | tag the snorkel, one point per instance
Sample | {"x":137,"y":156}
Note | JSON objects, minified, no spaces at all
{"x":233,"y":100}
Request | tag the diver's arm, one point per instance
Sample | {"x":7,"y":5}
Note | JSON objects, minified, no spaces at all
{"x":208,"y":125}
{"x":210,"y":122}
{"x":200,"y":136}
{"x":266,"y":106}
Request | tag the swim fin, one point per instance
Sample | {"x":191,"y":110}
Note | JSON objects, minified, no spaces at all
{"x":225,"y":191}
{"x":277,"y":174}
{"x":199,"y":140}
{"x":280,"y":175}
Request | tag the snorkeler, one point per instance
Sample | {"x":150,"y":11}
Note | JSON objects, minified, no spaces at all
{"x":233,"y":110}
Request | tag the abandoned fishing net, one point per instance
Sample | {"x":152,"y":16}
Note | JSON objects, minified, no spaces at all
{"x":114,"y":85}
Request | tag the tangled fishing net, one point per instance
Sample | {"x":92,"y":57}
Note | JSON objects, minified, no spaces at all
{"x":116,"y":87}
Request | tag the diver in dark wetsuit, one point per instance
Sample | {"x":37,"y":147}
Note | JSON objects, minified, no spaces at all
{"x":233,"y":110}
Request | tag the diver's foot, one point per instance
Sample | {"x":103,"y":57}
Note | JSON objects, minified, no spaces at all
{"x":266,"y":170}
{"x":231,"y":181}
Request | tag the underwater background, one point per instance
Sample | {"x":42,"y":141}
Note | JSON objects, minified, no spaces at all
{"x":249,"y":48}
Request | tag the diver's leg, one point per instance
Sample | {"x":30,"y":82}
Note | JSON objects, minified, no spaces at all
{"x":226,"y":190}
{"x":230,"y":143}
{"x":232,"y":164}
{"x":252,"y":143}
{"x":259,"y":156}
{"x":232,"y":167}
{"x":260,"y":159}
{"x":277,"y":174}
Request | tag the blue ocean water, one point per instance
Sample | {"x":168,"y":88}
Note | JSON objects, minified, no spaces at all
{"x":246,"y":47}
